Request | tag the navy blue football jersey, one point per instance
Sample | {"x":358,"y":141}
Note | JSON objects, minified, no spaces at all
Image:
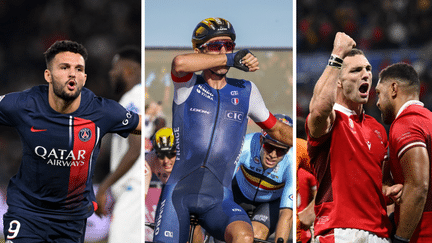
{"x":59,"y":151}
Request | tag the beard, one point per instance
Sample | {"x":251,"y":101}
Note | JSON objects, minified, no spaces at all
{"x":387,"y":116}
{"x":59,"y":91}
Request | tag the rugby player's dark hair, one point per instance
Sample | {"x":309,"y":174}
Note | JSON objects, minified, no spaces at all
{"x":354,"y":52}
{"x":403,"y":72}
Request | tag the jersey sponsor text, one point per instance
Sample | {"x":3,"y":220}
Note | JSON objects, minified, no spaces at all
{"x":234,"y":115}
{"x":61,"y":157}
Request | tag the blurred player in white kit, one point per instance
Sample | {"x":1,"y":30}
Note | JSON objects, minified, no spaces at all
{"x":125,"y":165}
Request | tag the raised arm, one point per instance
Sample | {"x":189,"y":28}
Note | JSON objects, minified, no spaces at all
{"x":184,"y":64}
{"x":194,"y":62}
{"x":322,"y":114}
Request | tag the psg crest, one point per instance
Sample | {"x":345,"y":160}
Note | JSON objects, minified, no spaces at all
{"x":84,"y":134}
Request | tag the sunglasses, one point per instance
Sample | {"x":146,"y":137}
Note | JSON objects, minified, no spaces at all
{"x":270,"y":148}
{"x":217,"y":45}
{"x":169,"y":155}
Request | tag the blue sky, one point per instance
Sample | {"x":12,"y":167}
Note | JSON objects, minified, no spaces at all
{"x":258,"y":23}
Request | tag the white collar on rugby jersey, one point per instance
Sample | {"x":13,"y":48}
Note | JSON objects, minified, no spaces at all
{"x":344,"y":110}
{"x":408,"y":103}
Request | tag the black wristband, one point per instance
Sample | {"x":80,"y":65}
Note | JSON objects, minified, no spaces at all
{"x":335,"y":64}
{"x":336,"y":59}
{"x":398,"y":239}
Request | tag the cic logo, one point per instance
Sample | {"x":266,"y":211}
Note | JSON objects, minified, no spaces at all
{"x":234,"y":115}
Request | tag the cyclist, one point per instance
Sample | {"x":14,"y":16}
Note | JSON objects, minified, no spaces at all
{"x":263,"y":183}
{"x":209,"y":123}
{"x":161,"y":159}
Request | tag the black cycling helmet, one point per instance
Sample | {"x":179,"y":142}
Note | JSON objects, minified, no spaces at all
{"x":163,"y":140}
{"x":209,"y":28}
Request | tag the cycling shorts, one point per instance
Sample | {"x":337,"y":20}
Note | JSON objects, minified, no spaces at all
{"x":199,"y":193}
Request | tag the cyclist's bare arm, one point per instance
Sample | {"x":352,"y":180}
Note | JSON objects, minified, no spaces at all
{"x":184,"y":64}
{"x":284,"y":225}
{"x":281,"y":132}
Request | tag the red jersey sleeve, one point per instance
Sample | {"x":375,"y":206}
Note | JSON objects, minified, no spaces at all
{"x":181,"y":79}
{"x":269,"y":123}
{"x":405,"y":133}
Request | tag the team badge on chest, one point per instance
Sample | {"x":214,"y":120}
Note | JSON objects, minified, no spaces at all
{"x":85,"y":134}
{"x":235,"y":101}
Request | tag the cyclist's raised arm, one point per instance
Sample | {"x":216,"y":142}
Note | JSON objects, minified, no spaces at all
{"x":184,"y":64}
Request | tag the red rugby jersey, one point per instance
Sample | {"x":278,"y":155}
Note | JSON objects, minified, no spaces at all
{"x":411,"y":128}
{"x":348,"y":167}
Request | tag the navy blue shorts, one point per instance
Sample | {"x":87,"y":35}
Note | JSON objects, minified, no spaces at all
{"x":23,"y":229}
{"x":198,"y":193}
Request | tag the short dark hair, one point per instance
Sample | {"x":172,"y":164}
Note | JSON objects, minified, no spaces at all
{"x":64,"y":46}
{"x":355,"y":52}
{"x":131,"y":53}
{"x":403,"y":72}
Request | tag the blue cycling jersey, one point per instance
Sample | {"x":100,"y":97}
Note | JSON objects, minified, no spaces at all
{"x":259,"y":185}
{"x":59,"y":151}
{"x":209,"y":129}
{"x":209,"y":126}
